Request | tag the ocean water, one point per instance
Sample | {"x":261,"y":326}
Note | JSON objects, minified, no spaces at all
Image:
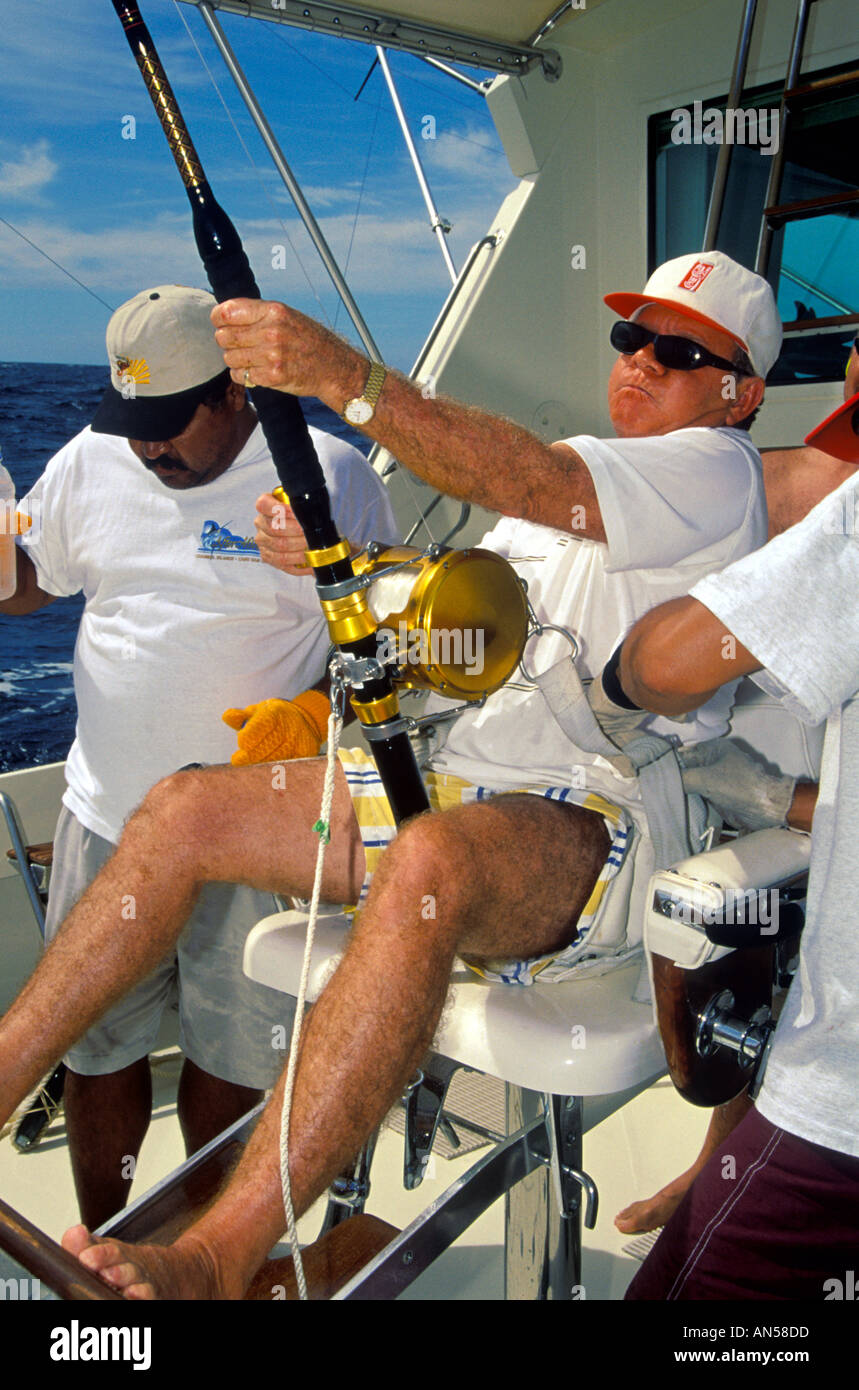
{"x":42,"y":406}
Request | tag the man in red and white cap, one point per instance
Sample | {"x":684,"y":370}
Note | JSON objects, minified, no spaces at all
{"x":775,"y":1212}
{"x":601,"y":529}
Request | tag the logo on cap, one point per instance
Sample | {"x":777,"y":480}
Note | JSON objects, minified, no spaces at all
{"x":134,"y":369}
{"x":696,"y":277}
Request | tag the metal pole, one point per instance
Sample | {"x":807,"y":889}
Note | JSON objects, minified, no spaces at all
{"x":21,"y":863}
{"x":550,"y":23}
{"x":439,"y":227}
{"x":480,"y":87}
{"x":723,"y":163}
{"x":777,"y":164}
{"x":268,"y":137}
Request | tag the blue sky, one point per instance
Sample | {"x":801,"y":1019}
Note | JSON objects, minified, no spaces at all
{"x":114,"y":213}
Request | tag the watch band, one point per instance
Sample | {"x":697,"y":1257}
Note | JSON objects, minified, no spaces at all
{"x":371,"y":392}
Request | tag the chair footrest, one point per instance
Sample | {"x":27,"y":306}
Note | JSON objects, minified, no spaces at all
{"x":328,"y":1264}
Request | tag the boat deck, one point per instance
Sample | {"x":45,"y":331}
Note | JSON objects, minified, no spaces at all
{"x":629,"y":1155}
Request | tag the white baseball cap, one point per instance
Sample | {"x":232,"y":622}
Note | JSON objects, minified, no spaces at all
{"x":163,"y":358}
{"x":714,"y":289}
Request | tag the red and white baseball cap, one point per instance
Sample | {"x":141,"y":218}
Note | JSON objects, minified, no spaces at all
{"x":838,"y":434}
{"x":714,"y":289}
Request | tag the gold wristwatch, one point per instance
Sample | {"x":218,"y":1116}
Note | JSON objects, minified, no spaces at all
{"x":361,"y":409}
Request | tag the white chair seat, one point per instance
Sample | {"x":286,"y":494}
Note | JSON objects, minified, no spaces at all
{"x":587,"y":1037}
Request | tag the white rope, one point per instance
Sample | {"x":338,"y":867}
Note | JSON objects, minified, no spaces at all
{"x":323,"y":828}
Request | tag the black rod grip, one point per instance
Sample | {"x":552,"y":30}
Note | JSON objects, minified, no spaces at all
{"x":280,"y":414}
{"x":395,"y":760}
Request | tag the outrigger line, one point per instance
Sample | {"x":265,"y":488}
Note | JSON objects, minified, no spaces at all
{"x":343,"y":596}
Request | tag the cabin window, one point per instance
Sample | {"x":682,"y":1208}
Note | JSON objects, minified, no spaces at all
{"x":813,"y":258}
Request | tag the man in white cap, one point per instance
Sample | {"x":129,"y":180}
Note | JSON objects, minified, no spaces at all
{"x":150,"y":513}
{"x":608,"y":528}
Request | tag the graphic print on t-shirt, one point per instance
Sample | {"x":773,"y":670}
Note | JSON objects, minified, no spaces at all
{"x":219,"y":543}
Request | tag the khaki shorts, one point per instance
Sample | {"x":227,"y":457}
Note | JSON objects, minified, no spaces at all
{"x":377,"y":827}
{"x":229,"y":1026}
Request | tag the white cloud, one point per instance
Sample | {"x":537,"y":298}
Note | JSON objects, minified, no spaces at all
{"x":469,"y":153}
{"x":113,"y":263}
{"x":391,"y":255}
{"x":26,"y":176}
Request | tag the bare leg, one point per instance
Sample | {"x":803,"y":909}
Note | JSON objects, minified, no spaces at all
{"x":233,"y":825}
{"x":207,"y":1105}
{"x":477,"y":880}
{"x":106,"y":1120}
{"x":654,"y":1211}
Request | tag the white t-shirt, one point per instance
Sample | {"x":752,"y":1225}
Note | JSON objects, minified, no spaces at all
{"x":182,"y":619}
{"x":795,"y":605}
{"x":674,"y":507}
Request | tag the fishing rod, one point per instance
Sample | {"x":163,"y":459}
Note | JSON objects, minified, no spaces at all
{"x":342,"y":594}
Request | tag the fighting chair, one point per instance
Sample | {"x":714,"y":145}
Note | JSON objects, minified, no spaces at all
{"x":572,"y":1054}
{"x":721,"y":928}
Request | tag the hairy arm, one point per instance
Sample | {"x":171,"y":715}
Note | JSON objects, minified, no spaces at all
{"x":28,"y":597}
{"x":464,"y":452}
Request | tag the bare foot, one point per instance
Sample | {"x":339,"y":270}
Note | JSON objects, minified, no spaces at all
{"x":181,"y":1271}
{"x":654,"y":1211}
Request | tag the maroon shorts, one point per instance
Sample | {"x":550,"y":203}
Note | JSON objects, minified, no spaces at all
{"x":770,"y":1217}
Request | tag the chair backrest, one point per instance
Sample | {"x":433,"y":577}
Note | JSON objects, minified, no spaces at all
{"x":761,"y":723}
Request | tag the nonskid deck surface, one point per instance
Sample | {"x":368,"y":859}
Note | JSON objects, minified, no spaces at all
{"x":629,"y":1156}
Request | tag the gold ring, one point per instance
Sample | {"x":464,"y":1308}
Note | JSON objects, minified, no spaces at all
{"x":247,"y":378}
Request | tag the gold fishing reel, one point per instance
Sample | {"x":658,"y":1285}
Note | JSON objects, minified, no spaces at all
{"x":451,"y":621}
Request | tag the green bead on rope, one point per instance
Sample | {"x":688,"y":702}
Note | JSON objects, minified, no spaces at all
{"x":323,"y":830}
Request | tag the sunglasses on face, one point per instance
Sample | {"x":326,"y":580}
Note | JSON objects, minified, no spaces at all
{"x":678,"y":354}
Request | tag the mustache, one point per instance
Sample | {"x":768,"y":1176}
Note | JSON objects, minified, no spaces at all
{"x":164,"y":461}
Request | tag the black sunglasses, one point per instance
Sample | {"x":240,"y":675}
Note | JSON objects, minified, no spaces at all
{"x":678,"y":354}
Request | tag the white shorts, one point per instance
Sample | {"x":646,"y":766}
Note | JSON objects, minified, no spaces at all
{"x":228,"y":1025}
{"x":590,"y":947}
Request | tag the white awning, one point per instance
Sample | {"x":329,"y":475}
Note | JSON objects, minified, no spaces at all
{"x":494,"y":34}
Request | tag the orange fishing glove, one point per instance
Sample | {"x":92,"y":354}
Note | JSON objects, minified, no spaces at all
{"x":276,"y":729}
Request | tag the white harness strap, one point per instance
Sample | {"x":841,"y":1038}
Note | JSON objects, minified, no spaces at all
{"x":649,"y":756}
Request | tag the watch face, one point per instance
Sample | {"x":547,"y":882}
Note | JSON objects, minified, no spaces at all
{"x":358,"y":411}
